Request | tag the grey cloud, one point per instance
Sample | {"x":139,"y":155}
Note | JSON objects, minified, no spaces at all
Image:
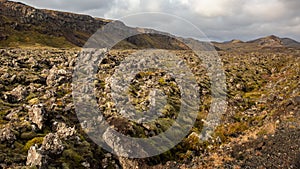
{"x":70,"y":5}
{"x":219,"y":20}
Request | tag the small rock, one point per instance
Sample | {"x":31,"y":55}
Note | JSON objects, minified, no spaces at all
{"x":7,"y":134}
{"x":52,"y":144}
{"x":5,"y":76}
{"x":12,"y":116}
{"x":119,"y":147}
{"x":17,"y":94}
{"x":86,"y":164}
{"x":56,"y":76}
{"x":63,"y":131}
{"x":34,"y":157}
{"x":37,"y":115}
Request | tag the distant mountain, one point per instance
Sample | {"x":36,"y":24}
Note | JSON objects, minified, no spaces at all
{"x":290,"y":42}
{"x":274,"y":41}
{"x":233,"y":41}
{"x":269,"y":41}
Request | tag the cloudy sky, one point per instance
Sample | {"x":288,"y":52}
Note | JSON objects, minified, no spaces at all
{"x":218,"y":19}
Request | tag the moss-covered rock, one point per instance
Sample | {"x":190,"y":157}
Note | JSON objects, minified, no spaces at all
{"x":32,"y":142}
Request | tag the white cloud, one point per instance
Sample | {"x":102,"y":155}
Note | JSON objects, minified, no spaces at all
{"x":267,"y":10}
{"x":209,"y":8}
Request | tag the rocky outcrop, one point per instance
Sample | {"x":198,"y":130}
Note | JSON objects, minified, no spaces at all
{"x":52,"y":145}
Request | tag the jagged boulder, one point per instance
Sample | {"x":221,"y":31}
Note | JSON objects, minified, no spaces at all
{"x":17,"y":94}
{"x":35,"y":157}
{"x":56,"y":76}
{"x":52,"y":144}
{"x":37,"y":114}
{"x":65,"y":132}
{"x":117,"y":144}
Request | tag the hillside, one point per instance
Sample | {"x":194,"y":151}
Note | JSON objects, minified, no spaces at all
{"x":26,"y":25}
{"x":22,"y":25}
{"x":268,"y":42}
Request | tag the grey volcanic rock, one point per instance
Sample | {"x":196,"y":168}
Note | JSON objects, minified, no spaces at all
{"x":65,"y":132}
{"x":7,"y":135}
{"x":37,"y":115}
{"x":19,"y":92}
{"x":35,"y":158}
{"x":56,"y":76}
{"x":52,"y":144}
{"x":120,"y":146}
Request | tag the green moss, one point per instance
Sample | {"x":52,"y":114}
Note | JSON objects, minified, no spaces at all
{"x":257,"y":120}
{"x":37,"y":140}
{"x":194,"y":143}
{"x":238,"y":117}
{"x":30,"y":96}
{"x":65,"y":166}
{"x":165,"y":124}
{"x":31,"y":38}
{"x":262,"y":132}
{"x":221,"y":133}
{"x":237,"y":128}
{"x":8,"y":104}
{"x":162,"y":81}
{"x":3,"y":112}
{"x":18,"y":145}
{"x":72,"y":155}
{"x":139,"y":131}
{"x":28,"y":135}
{"x":232,"y":130}
{"x":33,"y":101}
{"x":254,"y":95}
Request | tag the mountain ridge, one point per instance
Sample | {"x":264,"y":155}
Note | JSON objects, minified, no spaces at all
{"x":275,"y":41}
{"x":23,"y":25}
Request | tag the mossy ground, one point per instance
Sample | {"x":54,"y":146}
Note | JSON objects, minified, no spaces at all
{"x":262,"y":88}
